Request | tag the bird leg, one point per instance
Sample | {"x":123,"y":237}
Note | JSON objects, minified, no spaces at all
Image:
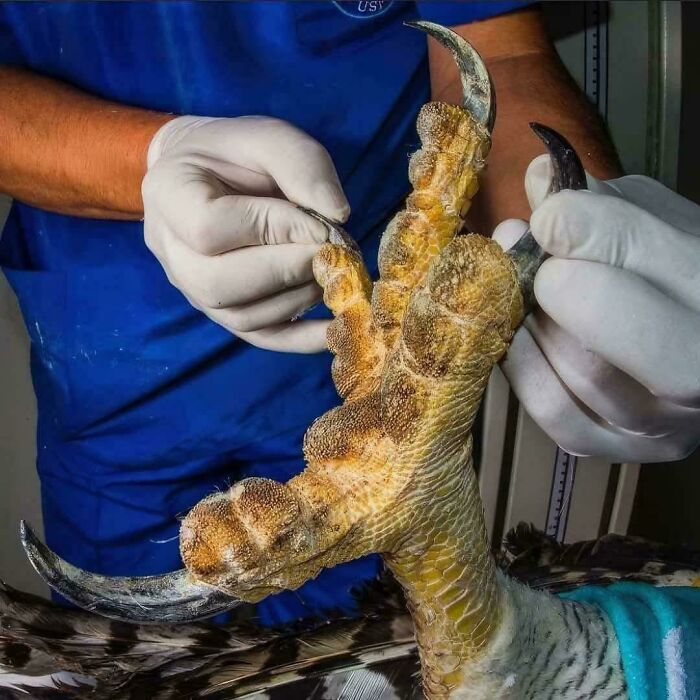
{"x":389,"y":470}
{"x":262,"y":536}
{"x":357,"y":493}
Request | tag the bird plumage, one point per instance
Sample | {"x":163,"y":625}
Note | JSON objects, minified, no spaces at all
{"x":541,"y":562}
{"x":373,"y":657}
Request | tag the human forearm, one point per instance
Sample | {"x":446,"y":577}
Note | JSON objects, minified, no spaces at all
{"x":67,"y":151}
{"x":531,"y":85}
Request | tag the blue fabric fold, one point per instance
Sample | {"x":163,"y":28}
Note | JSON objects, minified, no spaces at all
{"x":658,"y":630}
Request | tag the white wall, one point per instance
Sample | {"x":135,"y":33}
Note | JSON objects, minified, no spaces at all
{"x":19,"y":485}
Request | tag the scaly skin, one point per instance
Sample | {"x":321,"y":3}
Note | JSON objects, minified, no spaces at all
{"x":389,"y":470}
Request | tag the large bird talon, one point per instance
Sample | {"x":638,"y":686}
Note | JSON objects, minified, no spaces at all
{"x":413,"y":354}
{"x":175,"y":597}
{"x":478,"y":96}
{"x":261,"y":536}
{"x":567,"y":174}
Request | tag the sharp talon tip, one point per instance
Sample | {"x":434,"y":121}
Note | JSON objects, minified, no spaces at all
{"x":478,"y":96}
{"x":172,"y":597}
{"x":568,"y":172}
{"x":28,"y":539}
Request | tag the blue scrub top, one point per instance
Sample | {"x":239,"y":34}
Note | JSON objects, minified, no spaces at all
{"x":145,"y":405}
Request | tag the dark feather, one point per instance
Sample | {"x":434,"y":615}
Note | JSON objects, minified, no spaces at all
{"x":541,"y":562}
{"x":373,"y":657}
{"x":38,"y":638}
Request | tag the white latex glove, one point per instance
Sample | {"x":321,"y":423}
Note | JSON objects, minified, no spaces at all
{"x":609,"y":365}
{"x":219,"y":217}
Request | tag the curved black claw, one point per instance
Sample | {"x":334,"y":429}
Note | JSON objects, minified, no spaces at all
{"x":478,"y":96}
{"x":567,"y":174}
{"x":164,"y":598}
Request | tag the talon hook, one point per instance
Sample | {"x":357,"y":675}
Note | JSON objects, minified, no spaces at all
{"x":567,"y":174}
{"x":478,"y":96}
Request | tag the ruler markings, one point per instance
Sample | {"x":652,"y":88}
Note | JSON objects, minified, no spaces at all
{"x":595,"y":82}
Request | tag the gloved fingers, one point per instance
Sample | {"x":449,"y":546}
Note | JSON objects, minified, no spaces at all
{"x":657,"y":199}
{"x":605,"y":390}
{"x":573,"y":293}
{"x":304,"y":336}
{"x":241,"y":276}
{"x":237,"y":221}
{"x":586,"y":226}
{"x":300,"y":165}
{"x":237,"y":178}
{"x":645,"y":192}
{"x":202,"y":212}
{"x":572,"y":426}
{"x":271,"y":311}
{"x":538,"y":180}
{"x":508,"y":232}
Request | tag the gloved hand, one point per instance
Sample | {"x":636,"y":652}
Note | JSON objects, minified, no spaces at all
{"x":609,"y":365}
{"x":219,"y":217}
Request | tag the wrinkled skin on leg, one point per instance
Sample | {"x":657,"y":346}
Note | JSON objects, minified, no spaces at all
{"x":412,"y":357}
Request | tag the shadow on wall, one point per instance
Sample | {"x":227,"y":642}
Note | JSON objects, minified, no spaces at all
{"x":666,"y":507}
{"x":19,"y":494}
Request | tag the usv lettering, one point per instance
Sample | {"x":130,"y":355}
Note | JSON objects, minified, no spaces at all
{"x":363,"y":9}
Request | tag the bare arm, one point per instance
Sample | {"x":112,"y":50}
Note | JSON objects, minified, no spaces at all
{"x":244,"y":261}
{"x":531,"y":85}
{"x":70,"y":152}
{"x":67,"y":151}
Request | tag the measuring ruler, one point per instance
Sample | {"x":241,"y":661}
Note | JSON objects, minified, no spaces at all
{"x":596,"y":55}
{"x":560,"y":495}
{"x":595,"y":84}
